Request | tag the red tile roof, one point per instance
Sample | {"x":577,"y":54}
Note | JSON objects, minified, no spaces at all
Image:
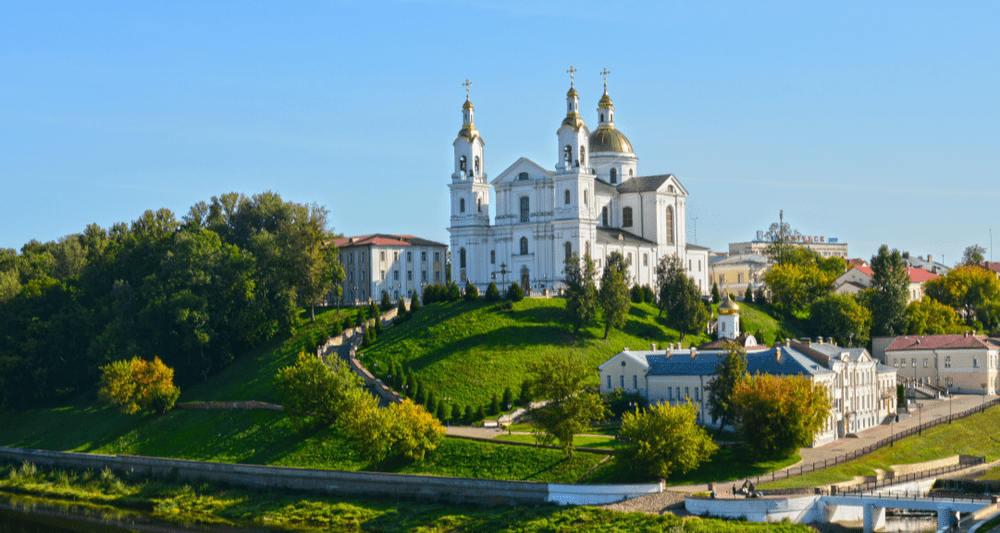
{"x":939,"y":342}
{"x":917,"y":275}
{"x":380,"y":239}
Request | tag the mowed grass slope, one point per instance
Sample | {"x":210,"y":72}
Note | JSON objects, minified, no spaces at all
{"x":471,"y":351}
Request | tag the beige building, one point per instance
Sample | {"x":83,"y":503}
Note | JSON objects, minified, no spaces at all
{"x":824,"y":246}
{"x":960,"y":363}
{"x":859,"y":278}
{"x":736,"y":272}
{"x":396,"y":264}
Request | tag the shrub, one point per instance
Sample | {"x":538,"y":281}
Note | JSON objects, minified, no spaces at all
{"x":665,"y":440}
{"x":759,"y":296}
{"x":336,"y":327}
{"x":411,"y":384}
{"x":442,"y":411}
{"x":431,"y":400}
{"x":492,"y":293}
{"x":312,"y":392}
{"x":416,"y":431}
{"x":401,"y":308}
{"x":469,"y":413}
{"x":748,"y":295}
{"x":494,"y":405}
{"x":454,"y":294}
{"x":471,"y":292}
{"x":377,"y":327}
{"x":456,"y":411}
{"x":515,"y":294}
{"x":139,"y":385}
{"x":636,"y":294}
{"x":386,"y":303}
{"x":481,"y":413}
{"x":419,"y":392}
{"x":508,"y":398}
{"x":359,"y":317}
{"x":648,"y":295}
{"x":505,"y":306}
{"x":414,"y":302}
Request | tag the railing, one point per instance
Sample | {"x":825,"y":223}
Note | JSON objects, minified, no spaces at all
{"x":871,"y":486}
{"x":888,"y":441}
{"x":917,"y":495}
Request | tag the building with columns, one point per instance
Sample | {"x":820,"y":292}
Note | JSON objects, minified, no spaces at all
{"x":593,"y":202}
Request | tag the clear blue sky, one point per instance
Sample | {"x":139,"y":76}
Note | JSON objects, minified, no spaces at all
{"x":873,"y":122}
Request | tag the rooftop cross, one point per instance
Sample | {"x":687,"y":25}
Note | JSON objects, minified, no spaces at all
{"x":468,"y":84}
{"x":605,"y":73}
{"x":571,"y":71}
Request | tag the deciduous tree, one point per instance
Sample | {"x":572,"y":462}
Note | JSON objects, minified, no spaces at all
{"x":780,"y":237}
{"x":928,"y":316}
{"x":313,"y":393}
{"x":779,"y":415}
{"x":679,"y":297}
{"x":417,"y":432}
{"x":581,"y":291}
{"x":136,"y":385}
{"x":973,"y":255}
{"x":664,"y":440}
{"x":841,"y":316}
{"x":559,"y":379}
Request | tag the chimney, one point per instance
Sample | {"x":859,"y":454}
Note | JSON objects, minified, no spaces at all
{"x":693,"y":353}
{"x":819,"y":340}
{"x":788,"y":342}
{"x":929,"y":259}
{"x":831,"y":341}
{"x":777,"y":355}
{"x":653,"y":347}
{"x":625,"y":349}
{"x":806,"y":341}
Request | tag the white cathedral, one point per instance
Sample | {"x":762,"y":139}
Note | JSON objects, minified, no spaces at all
{"x":594,"y":202}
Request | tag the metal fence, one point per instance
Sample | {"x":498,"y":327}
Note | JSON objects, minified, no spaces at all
{"x":888,"y":441}
{"x":870,"y":487}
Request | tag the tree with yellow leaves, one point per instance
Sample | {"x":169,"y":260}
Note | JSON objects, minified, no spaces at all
{"x":139,"y":385}
{"x":779,"y":415}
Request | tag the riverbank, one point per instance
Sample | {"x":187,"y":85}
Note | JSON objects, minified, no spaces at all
{"x":207,"y":504}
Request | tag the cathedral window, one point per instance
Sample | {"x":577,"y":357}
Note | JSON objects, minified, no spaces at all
{"x":604,"y":216}
{"x":461,"y":258}
{"x":477,"y":165}
{"x":524,"y":246}
{"x":670,"y":224}
{"x":461,"y":163}
{"x":566,"y":201}
{"x":461,"y":205}
{"x":627,"y":217}
{"x":522,"y":176}
{"x":631,"y":172}
{"x":614,"y":175}
{"x":569,"y":250}
{"x":645,"y":259}
{"x":524,"y":208}
{"x":602,"y":117}
{"x":493,"y":257}
{"x":585,"y":202}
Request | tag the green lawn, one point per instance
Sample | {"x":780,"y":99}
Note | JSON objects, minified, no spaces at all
{"x":211,"y":505}
{"x":578,"y":441}
{"x":470,"y":351}
{"x":973,"y":435}
{"x":725,"y":465}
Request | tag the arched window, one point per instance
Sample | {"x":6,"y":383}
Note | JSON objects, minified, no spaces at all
{"x":583,"y":155}
{"x":670,"y":224}
{"x":614,"y":175}
{"x":461,"y":205}
{"x":567,"y":197}
{"x":569,"y":250}
{"x":604,"y":216}
{"x":602,"y":117}
{"x":567,"y":155}
{"x":670,"y":188}
{"x":479,"y":204}
{"x":523,"y":176}
{"x":524,"y":209}
{"x":585,"y":197}
{"x":477,"y":165}
{"x":631,"y":172}
{"x":461,"y":258}
{"x":461,"y":163}
{"x":524,"y":246}
{"x":627,"y":217}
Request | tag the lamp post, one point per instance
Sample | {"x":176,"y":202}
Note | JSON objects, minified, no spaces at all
{"x":950,"y":398}
{"x":503,"y":274}
{"x":983,"y":408}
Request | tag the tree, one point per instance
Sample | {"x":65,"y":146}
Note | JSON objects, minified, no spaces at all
{"x":471,"y":292}
{"x":664,"y":440}
{"x":373,"y":430}
{"x":614,"y":292}
{"x":494,"y":405}
{"x":748,"y":295}
{"x":373,"y":310}
{"x":887,"y":299}
{"x":514,"y":293}
{"x":795,"y":286}
{"x":648,"y":295}
{"x":138,"y":385}
{"x":679,"y":297}
{"x":973,"y":255}
{"x":312,"y":392}
{"x":414,"y":302}
{"x":454,"y":294}
{"x":401,"y":308}
{"x":636,"y":294}
{"x":417,"y":432}
{"x":508,"y":398}
{"x":386,"y":303}
{"x":928,"y":316}
{"x":492,"y":293}
{"x":581,"y":291}
{"x":779,"y":415}
{"x":559,"y":378}
{"x":780,"y":237}
{"x":728,"y":374}
{"x":841,"y":316}
{"x":972,"y":291}
{"x":716,"y":296}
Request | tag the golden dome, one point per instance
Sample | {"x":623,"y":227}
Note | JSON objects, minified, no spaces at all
{"x":605,"y":101}
{"x":572,"y":92}
{"x":574,"y":121}
{"x":468,"y":132}
{"x":467,"y":104}
{"x":607,"y":139}
{"x":728,"y":307}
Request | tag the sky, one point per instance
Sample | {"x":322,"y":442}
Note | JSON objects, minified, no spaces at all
{"x":871,"y":122}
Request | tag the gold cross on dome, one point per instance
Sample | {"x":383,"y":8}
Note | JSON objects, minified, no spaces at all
{"x":467,"y":84}
{"x":571,"y":71}
{"x":605,"y":73}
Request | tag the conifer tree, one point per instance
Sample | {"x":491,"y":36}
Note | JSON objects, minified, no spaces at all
{"x":414,"y":302}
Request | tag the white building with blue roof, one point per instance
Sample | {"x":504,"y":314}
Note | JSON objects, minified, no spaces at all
{"x":861,"y":390}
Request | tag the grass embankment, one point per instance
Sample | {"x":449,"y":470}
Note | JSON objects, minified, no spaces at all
{"x":470,"y":351}
{"x":207,"y":504}
{"x":973,"y":435}
{"x":263,"y":437}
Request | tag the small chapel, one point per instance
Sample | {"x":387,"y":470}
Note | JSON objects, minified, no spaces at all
{"x":592,"y":202}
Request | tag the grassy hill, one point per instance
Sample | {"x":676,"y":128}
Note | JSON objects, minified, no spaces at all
{"x":470,"y":351}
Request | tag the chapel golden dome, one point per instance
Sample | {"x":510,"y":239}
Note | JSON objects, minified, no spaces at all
{"x":467,"y":104}
{"x":728,"y":307}
{"x":607,"y":139}
{"x":605,"y":100}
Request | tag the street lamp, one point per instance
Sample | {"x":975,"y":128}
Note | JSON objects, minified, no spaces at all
{"x":949,"y":380}
{"x":503,"y":274}
{"x":983,"y":385}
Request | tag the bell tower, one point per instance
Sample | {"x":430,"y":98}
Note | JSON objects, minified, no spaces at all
{"x":470,"y":203}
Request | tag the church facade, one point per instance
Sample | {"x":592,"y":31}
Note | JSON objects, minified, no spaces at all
{"x":593,"y":202}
